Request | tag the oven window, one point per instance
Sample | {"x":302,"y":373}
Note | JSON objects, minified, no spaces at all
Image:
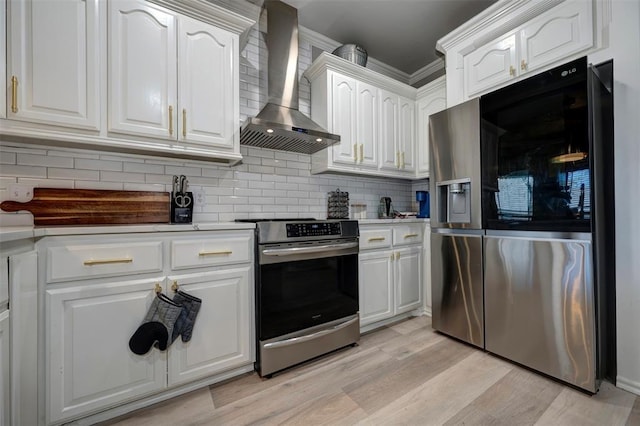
{"x":297,"y":295}
{"x":535,"y":155}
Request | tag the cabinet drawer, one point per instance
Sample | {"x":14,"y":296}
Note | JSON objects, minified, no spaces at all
{"x":83,"y":261}
{"x":211,"y":251}
{"x":375,"y":238}
{"x":410,"y":233}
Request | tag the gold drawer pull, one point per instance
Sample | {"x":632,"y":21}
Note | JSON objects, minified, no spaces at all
{"x":184,"y":123}
{"x":411,"y":235}
{"x":355,"y":152}
{"x":14,"y":94}
{"x":361,"y":153}
{"x":214,"y":253}
{"x":92,"y":262}
{"x":512,"y":71}
{"x":376,"y":239}
{"x":170,"y":120}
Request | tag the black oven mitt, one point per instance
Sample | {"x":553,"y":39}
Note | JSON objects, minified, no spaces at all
{"x":157,"y":326}
{"x":186,"y":319}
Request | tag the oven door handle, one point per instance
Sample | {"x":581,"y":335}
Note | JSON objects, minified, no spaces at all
{"x":315,"y":249}
{"x":296,"y":340}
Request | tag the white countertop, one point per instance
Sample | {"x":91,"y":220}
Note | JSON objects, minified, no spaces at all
{"x":405,"y":220}
{"x":11,"y":233}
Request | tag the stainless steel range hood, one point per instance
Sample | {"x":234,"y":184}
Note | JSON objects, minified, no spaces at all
{"x":279,"y":125}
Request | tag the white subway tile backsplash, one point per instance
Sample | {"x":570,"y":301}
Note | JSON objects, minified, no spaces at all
{"x":7,"y":158}
{"x":75,"y":174}
{"x":114,"y":186}
{"x":12,"y":170}
{"x":145,"y":187}
{"x":121,"y":177}
{"x":114,"y":166}
{"x":47,"y":183}
{"x":143,"y":168}
{"x":44,"y":160}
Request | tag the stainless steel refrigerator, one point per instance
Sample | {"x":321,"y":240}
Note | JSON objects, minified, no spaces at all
{"x":523,"y":261}
{"x":456,"y":223}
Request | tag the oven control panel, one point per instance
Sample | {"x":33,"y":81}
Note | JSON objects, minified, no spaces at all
{"x":312,"y":229}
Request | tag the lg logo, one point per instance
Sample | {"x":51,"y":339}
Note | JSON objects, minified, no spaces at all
{"x":568,"y":72}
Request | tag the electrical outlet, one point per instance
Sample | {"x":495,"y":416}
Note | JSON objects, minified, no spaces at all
{"x":199,"y":198}
{"x":18,"y":192}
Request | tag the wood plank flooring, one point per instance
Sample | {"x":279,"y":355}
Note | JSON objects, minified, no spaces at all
{"x":403,"y":374}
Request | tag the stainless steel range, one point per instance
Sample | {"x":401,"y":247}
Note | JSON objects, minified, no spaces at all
{"x":306,"y":290}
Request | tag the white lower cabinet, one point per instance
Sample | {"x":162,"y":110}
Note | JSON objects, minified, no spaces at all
{"x":5,"y":372}
{"x":222,"y":336}
{"x":89,"y":365}
{"x":390,"y":273}
{"x":376,"y":286}
{"x":89,"y":320}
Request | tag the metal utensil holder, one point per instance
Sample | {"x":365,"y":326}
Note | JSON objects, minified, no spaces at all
{"x":338,"y":205}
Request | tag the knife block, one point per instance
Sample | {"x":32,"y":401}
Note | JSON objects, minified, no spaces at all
{"x":181,"y":213}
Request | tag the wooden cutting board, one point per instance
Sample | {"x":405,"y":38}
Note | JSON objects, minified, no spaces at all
{"x":54,"y":206}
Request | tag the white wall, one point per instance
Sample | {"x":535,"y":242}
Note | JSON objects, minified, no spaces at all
{"x":268,"y":184}
{"x":624,"y":48}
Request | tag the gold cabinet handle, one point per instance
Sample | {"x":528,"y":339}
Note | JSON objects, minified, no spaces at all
{"x":184,"y":122}
{"x":377,"y":239}
{"x":512,"y":70}
{"x":14,"y":94}
{"x":92,"y":262}
{"x":391,"y":256}
{"x":214,"y":253}
{"x":398,"y":159}
{"x":361,"y":153}
{"x":402,"y":164}
{"x":170,"y":120}
{"x":175,"y":286}
{"x":523,"y":65}
{"x":411,"y":235}
{"x":355,"y":152}
{"x":158,"y":288}
{"x":397,"y":255}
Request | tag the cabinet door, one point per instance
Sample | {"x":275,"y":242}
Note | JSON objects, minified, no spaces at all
{"x":142,"y":70}
{"x":207,"y":88}
{"x":3,"y":54}
{"x":435,"y":101}
{"x":390,"y":155}
{"x":89,"y":364}
{"x":53,"y":62}
{"x":556,"y":34}
{"x":367,"y":105}
{"x":490,"y":65}
{"x":222,"y":334}
{"x":375,"y":286}
{"x":408,"y":265}
{"x":5,"y":372}
{"x":343,"y":119}
{"x":407,"y":134}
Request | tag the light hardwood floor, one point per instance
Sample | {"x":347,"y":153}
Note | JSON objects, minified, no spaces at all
{"x":404,"y":374}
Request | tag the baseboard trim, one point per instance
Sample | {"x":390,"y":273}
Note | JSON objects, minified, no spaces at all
{"x":628,"y":385}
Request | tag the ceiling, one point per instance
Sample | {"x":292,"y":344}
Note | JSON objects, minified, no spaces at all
{"x":399,"y":33}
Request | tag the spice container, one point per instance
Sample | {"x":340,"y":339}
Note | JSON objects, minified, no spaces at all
{"x":358,"y":211}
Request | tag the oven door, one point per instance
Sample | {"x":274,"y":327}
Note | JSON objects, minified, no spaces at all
{"x":303,"y":285}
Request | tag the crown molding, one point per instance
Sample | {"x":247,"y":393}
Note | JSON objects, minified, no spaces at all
{"x":216,"y":14}
{"x":500,"y":18}
{"x":427,"y":71}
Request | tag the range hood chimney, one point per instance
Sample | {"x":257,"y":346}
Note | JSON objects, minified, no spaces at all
{"x":279,"y":125}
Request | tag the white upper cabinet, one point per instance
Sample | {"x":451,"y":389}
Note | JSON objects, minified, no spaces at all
{"x":407,"y":134}
{"x":171,"y":77}
{"x":490,"y":65}
{"x":508,"y":42}
{"x":431,"y":99}
{"x":142,"y":70}
{"x":208,"y":105}
{"x":353,"y":110}
{"x":373,"y":114}
{"x":54,"y":79}
{"x":157,"y":78}
{"x":3,"y":54}
{"x":559,"y":33}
